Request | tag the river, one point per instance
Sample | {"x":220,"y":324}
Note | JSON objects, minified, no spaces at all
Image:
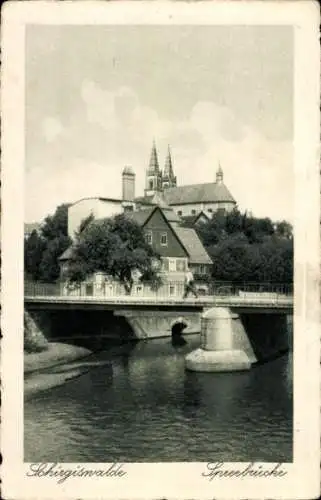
{"x":139,"y":404}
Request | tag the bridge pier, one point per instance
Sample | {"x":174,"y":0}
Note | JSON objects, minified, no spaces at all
{"x":231,"y":341}
{"x":224,"y":344}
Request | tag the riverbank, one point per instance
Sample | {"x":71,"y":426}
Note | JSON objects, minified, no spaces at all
{"x":54,"y":366}
{"x":56,"y":353}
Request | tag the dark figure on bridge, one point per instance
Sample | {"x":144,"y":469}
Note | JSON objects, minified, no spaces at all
{"x":189,"y":284}
{"x":177,"y":329}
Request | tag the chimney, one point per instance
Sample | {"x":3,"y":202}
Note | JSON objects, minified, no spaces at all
{"x":128,"y":184}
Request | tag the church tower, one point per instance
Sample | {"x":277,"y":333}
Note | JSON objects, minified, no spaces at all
{"x":219,"y":175}
{"x":169,"y":180}
{"x":153,"y":174}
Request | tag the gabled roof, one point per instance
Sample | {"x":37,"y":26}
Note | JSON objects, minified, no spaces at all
{"x":190,"y":220}
{"x":193,"y":245}
{"x":67,"y":254}
{"x":187,"y":237}
{"x":171,"y":215}
{"x":140,"y":216}
{"x":198,"y":193}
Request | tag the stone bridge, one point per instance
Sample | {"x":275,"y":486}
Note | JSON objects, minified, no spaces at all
{"x":258,"y":319}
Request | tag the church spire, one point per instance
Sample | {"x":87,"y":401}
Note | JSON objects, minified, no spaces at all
{"x":168,"y":170}
{"x":153,"y":167}
{"x":169,"y":180}
{"x":219,"y":174}
{"x":153,"y":174}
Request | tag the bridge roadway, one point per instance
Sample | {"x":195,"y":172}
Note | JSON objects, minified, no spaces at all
{"x":275,"y":304}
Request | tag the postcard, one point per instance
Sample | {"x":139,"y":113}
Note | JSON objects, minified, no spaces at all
{"x":160,"y":250}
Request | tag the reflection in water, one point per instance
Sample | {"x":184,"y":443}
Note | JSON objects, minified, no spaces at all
{"x":177,"y":332}
{"x":144,"y":406}
{"x":178,"y":341}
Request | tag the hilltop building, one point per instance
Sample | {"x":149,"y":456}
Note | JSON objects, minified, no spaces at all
{"x":186,"y":200}
{"x":168,"y":215}
{"x":161,"y":189}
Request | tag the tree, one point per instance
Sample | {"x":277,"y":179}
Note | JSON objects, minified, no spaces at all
{"x":234,"y":221}
{"x":237,"y":260}
{"x":42,"y":251}
{"x":57,"y":224}
{"x":33,"y":252}
{"x":115,"y":247}
{"x":84,"y":223}
{"x":214,"y":230}
{"x":256,"y":229}
{"x":284,"y":230}
{"x":49,"y":268}
{"x":229,"y":257}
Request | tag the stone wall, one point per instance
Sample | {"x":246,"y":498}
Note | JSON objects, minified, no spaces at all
{"x":34,"y":338}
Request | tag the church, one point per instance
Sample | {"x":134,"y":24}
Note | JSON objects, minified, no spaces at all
{"x":167,"y":214}
{"x":161,"y":190}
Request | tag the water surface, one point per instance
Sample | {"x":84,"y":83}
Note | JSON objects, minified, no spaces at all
{"x":141,"y":405}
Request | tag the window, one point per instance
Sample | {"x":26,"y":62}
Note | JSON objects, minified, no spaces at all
{"x":171,"y":290}
{"x":210,"y":210}
{"x":151,"y":184}
{"x":179,"y":212}
{"x":172,"y":265}
{"x":149,"y":237}
{"x":193,"y":212}
{"x":89,"y":290}
{"x":180,"y":265}
{"x":163,"y":239}
{"x":165,"y":264}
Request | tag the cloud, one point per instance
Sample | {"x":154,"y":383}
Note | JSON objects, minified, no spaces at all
{"x":52,"y":128}
{"x":111,"y":129}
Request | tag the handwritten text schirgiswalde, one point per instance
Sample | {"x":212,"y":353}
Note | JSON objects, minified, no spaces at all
{"x":61,"y":474}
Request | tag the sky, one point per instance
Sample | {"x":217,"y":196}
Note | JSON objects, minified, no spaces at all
{"x":97,"y":96}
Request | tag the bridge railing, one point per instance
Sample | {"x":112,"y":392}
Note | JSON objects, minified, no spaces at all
{"x":248,"y":289}
{"x":169,"y":289}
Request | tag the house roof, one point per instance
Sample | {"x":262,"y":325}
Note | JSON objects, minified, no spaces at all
{"x":100,"y":198}
{"x":128,"y":170}
{"x":140,"y":216}
{"x":187,"y":236}
{"x":198,"y":193}
{"x":145,"y":200}
{"x":190,"y":220}
{"x":193,"y":245}
{"x":171,"y":215}
{"x":67,"y":254}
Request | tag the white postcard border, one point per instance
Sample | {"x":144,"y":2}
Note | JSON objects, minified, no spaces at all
{"x":184,"y":479}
